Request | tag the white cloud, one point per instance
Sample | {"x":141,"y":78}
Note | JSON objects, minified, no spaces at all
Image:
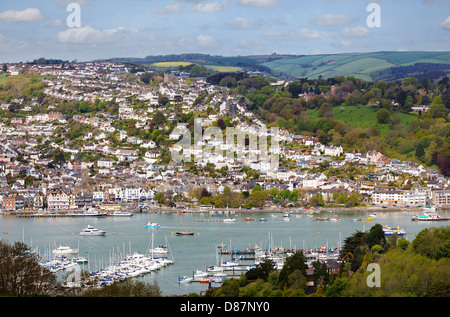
{"x":208,"y":7}
{"x":345,"y":44}
{"x":259,"y":3}
{"x":313,"y":34}
{"x":65,"y":3}
{"x":58,"y":24}
{"x":205,"y":40}
{"x":169,"y":9}
{"x":333,"y":20}
{"x":89,"y":35}
{"x":27,"y":15}
{"x":357,"y":31}
{"x":446,"y":24}
{"x":240,"y":23}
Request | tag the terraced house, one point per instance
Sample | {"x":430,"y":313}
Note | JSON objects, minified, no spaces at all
{"x":57,"y":199}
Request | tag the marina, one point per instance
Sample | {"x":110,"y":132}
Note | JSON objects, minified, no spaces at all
{"x":228,"y":248}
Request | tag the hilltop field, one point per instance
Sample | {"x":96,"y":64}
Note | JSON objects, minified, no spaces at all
{"x":363,"y":117}
{"x":367,"y":66}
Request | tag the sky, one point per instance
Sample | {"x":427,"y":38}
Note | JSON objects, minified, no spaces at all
{"x":101,"y":29}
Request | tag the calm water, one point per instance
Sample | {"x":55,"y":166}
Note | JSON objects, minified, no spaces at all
{"x":126,"y":235}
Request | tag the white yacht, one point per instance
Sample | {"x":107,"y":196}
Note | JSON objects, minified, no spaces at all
{"x":91,"y":231}
{"x":118,"y":213}
{"x":64,"y":250}
{"x":159,"y":250}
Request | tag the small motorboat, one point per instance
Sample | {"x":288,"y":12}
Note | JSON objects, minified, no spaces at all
{"x":81,"y":260}
{"x":388,"y":231}
{"x":152,"y":225}
{"x":185,"y":279}
{"x":185,"y":233}
{"x":214,"y":268}
{"x":200,"y":275}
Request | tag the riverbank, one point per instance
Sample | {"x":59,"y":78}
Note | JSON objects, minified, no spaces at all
{"x":359,"y":209}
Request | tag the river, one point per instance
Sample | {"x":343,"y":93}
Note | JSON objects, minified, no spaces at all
{"x":127,"y":235}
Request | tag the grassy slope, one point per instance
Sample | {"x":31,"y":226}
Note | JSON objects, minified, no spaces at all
{"x":362,"y":117}
{"x":359,"y":65}
{"x":218,"y":68}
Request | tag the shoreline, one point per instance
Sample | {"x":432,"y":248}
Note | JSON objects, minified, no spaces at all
{"x":366,"y":209}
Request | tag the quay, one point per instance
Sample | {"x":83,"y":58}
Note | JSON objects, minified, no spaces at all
{"x":41,"y":215}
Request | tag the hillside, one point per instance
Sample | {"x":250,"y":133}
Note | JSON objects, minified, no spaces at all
{"x":391,"y":66}
{"x":375,"y":66}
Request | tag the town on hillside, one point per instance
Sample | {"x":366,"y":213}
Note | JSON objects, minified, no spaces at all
{"x":92,"y":134}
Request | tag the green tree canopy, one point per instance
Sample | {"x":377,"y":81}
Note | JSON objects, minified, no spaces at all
{"x":383,"y":115}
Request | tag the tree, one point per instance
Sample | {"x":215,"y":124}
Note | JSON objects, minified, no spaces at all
{"x":228,"y":81}
{"x":292,"y":263}
{"x":442,"y":251}
{"x":160,"y":198}
{"x":198,"y":71}
{"x":258,"y":197}
{"x":261,"y":271}
{"x":431,"y":239}
{"x":127,"y":288}
{"x":383,"y":115}
{"x":420,"y":152}
{"x":337,"y":288}
{"x":317,"y":200}
{"x":159,"y":118}
{"x":437,"y":109}
{"x":20,"y":272}
{"x":375,"y":236}
{"x":163,"y":100}
{"x":321,"y":275}
{"x":146,"y":78}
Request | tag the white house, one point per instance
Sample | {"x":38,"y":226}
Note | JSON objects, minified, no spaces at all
{"x":105,"y":163}
{"x":333,"y":150}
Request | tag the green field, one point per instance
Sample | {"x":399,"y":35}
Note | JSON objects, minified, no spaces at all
{"x":362,"y":117}
{"x":224,"y":69}
{"x":358,"y":65}
{"x":170,"y":64}
{"x":218,"y":68}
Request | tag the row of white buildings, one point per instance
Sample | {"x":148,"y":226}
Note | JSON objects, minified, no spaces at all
{"x":399,"y":197}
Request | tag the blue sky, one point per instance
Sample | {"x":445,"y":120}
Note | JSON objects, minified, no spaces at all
{"x":31,"y":29}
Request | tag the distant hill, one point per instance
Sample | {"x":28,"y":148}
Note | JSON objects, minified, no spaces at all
{"x":391,"y":66}
{"x":375,"y":66}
